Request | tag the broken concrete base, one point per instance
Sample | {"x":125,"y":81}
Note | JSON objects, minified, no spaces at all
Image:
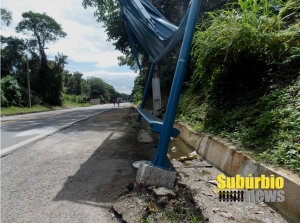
{"x":149,"y":175}
{"x":146,"y":204}
{"x":163,"y":192}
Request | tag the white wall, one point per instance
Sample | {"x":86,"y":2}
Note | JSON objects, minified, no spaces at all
{"x":95,"y":101}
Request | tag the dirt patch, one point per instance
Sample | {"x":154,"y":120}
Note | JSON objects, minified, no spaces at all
{"x":145,"y":204}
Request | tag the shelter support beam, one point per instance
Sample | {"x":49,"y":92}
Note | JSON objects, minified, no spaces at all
{"x":146,"y":90}
{"x":161,"y":159}
{"x":156,"y":92}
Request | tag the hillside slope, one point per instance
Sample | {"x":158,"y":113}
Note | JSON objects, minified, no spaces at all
{"x":245,"y":80}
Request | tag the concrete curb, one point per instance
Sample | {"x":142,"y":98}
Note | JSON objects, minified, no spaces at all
{"x":9,"y":150}
{"x":223,"y":155}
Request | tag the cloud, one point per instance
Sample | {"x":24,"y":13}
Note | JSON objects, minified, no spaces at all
{"x":123,"y":89}
{"x":86,"y":38}
{"x":122,"y":81}
{"x":85,"y":43}
{"x":101,"y":73}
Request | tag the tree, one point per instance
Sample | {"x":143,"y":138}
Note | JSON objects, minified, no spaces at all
{"x":12,"y":56}
{"x":43,"y":28}
{"x":15,"y":53}
{"x":98,"y":87}
{"x":67,"y":76}
{"x":10,"y":92}
{"x":55,"y":80}
{"x":86,"y":89}
{"x":78,"y":84}
{"x":125,"y":96}
{"x":71,"y":85}
{"x":103,"y":8}
{"x":6,"y":17}
{"x":75,"y":84}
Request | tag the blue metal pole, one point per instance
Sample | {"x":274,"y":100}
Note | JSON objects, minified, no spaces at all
{"x":146,"y":90}
{"x":132,"y":44}
{"x":161,"y":159}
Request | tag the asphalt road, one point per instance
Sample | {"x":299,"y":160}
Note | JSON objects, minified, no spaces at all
{"x":75,"y":174}
{"x":19,"y":128}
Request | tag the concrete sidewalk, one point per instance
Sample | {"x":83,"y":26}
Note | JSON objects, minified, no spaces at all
{"x":75,"y":174}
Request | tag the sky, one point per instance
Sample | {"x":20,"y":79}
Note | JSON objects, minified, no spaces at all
{"x":85,"y":44}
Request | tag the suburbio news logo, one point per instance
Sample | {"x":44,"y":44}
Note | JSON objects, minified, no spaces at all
{"x":250,"y":189}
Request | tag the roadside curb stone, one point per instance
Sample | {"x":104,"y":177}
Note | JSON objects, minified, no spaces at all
{"x":223,"y":156}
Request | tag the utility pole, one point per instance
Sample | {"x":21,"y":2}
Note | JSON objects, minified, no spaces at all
{"x":28,"y":83}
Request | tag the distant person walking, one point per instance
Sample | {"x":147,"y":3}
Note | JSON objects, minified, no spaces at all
{"x":118,"y":102}
{"x":115,"y":102}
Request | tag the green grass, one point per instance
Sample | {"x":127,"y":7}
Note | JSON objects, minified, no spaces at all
{"x":70,"y":104}
{"x":127,"y":120}
{"x":70,"y":101}
{"x":19,"y":110}
{"x":173,"y":217}
{"x":74,"y":101}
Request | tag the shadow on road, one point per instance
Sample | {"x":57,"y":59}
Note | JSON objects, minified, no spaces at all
{"x":108,"y":171}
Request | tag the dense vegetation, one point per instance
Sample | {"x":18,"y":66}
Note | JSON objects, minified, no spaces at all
{"x":245,"y":83}
{"x":49,"y":82}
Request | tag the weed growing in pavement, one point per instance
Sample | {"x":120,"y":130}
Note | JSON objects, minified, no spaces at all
{"x":173,"y":213}
{"x":194,"y":219}
{"x":177,"y":217}
{"x":127,"y":119}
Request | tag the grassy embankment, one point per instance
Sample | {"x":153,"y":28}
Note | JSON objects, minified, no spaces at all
{"x":246,"y":80}
{"x":69,"y":101}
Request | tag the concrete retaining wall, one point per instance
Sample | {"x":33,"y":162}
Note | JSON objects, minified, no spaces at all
{"x":95,"y":101}
{"x":223,"y":155}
